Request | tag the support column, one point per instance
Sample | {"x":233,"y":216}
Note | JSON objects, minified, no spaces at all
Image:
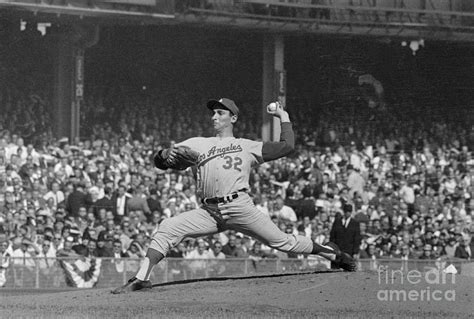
{"x":69,"y":77}
{"x":78,"y":83}
{"x":274,"y":83}
{"x":63,"y":86}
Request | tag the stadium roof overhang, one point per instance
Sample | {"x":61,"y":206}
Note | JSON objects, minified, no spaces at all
{"x":396,"y":29}
{"x":42,"y":12}
{"x":435,"y":25}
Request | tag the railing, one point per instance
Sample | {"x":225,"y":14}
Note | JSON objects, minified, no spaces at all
{"x":451,"y":20}
{"x":52,"y":273}
{"x":131,"y":8}
{"x":410,"y":13}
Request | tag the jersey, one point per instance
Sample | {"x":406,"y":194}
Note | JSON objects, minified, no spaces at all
{"x":224,"y":164}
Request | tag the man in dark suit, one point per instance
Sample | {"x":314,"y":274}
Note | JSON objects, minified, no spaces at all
{"x":120,"y":200}
{"x":106,"y":202}
{"x":463,"y":250}
{"x":153,"y":203}
{"x":345,"y":232}
{"x":76,"y":200}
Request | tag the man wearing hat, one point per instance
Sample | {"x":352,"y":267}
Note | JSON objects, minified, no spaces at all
{"x":345,"y":232}
{"x":222,"y":173}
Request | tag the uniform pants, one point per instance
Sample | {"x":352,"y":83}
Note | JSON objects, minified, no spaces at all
{"x":240,"y":215}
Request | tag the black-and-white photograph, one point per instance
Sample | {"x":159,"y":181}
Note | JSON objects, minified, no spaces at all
{"x":236,"y":158}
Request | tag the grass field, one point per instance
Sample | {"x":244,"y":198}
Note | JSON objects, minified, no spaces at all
{"x":308,"y":295}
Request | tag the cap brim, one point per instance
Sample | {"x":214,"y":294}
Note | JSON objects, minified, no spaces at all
{"x":214,"y":104}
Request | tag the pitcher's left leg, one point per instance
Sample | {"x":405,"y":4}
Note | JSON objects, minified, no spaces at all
{"x":261,"y":227}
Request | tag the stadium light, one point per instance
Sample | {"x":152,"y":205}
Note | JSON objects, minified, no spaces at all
{"x":42,"y":27}
{"x":414,"y":45}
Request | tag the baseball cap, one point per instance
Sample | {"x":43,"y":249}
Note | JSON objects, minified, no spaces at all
{"x":223,"y":103}
{"x":347,"y":208}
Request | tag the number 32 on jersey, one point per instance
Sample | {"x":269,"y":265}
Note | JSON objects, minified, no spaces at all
{"x":232,"y":163}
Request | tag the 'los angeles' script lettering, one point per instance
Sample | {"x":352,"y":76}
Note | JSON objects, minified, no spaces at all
{"x":220,"y":151}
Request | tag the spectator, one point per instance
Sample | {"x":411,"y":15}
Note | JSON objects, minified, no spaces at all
{"x":407,"y":194}
{"x":198,"y":264}
{"x":257,"y":254}
{"x":176,"y":267}
{"x":121,"y":199}
{"x":4,"y":261}
{"x":374,"y":254}
{"x":355,"y":182}
{"x":106,"y":202}
{"x":22,"y":256}
{"x":46,"y":260}
{"x":418,"y":247}
{"x":153,"y":202}
{"x":284,"y":212}
{"x":23,"y":262}
{"x":233,"y":248}
{"x":178,"y":251}
{"x":345,"y":232}
{"x":427,"y":252}
{"x":66,"y":250}
{"x":217,"y":267}
{"x":118,"y":254}
{"x":64,"y":167}
{"x":406,"y":253}
{"x":55,"y":194}
{"x":463,"y":250}
{"x":138,"y":201}
{"x":121,"y":236}
{"x":240,"y":251}
{"x":216,"y":251}
{"x":76,"y":200}
{"x":135,"y":253}
{"x":104,"y":242}
{"x":450,"y":248}
{"x":92,"y":248}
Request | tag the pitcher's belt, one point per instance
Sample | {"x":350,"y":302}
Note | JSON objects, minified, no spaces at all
{"x":224,"y":199}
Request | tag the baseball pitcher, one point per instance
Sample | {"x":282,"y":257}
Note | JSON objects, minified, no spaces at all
{"x":222,"y":165}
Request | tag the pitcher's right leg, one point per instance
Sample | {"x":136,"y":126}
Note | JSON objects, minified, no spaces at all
{"x":170,"y":232}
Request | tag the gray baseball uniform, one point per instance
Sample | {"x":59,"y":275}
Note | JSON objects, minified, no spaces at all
{"x":222,"y":166}
{"x":222,"y":176}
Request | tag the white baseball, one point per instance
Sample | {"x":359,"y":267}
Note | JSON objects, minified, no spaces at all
{"x":272,"y":107}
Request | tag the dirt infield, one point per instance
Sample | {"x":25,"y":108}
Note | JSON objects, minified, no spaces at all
{"x":310,"y":295}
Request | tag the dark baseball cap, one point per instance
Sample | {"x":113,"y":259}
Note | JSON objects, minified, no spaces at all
{"x":223,"y":103}
{"x":347,"y":208}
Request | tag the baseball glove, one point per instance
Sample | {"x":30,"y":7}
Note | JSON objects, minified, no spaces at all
{"x":180,"y":157}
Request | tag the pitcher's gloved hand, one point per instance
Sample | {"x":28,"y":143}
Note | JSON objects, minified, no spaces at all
{"x":180,"y":157}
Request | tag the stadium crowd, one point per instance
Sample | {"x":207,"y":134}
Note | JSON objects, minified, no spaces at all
{"x":409,"y":187}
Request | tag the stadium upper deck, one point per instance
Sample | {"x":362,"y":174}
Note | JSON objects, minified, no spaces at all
{"x":451,"y":20}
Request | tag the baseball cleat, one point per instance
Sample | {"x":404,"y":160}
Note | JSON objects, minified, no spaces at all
{"x":343,"y":260}
{"x":133,"y":284}
{"x":335,"y":247}
{"x":346,"y":262}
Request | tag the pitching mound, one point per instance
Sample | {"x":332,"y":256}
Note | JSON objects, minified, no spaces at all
{"x":327,"y":294}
